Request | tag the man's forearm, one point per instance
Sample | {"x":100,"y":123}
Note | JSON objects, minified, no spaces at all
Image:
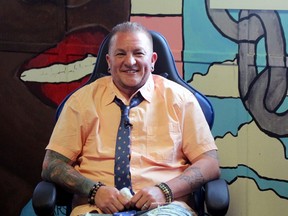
{"x":200,"y":172}
{"x":58,"y":169}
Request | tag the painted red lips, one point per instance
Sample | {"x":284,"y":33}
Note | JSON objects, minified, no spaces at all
{"x":58,"y":71}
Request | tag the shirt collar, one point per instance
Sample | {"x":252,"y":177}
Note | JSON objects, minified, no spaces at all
{"x":148,"y":88}
{"x":146,"y":91}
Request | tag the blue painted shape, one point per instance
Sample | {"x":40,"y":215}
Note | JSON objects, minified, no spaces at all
{"x":230,"y":115}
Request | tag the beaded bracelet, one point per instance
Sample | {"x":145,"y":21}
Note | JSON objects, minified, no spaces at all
{"x":93,"y":191}
{"x":166,"y":191}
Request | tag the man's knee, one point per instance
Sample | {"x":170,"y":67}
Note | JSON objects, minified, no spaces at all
{"x":171,"y":209}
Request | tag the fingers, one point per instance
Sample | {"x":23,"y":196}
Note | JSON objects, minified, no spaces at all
{"x":125,"y":197}
{"x":109,"y":200}
{"x":126,"y":192}
{"x":124,"y":200}
{"x":109,"y":209}
{"x":142,"y":201}
{"x":146,"y":206}
{"x":113,"y":206}
{"x":148,"y":198}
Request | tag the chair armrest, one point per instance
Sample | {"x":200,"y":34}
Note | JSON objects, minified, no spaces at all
{"x":217,"y":197}
{"x":44,"y":198}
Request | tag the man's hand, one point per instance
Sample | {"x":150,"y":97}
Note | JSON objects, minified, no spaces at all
{"x":148,"y":198}
{"x":110,"y":200}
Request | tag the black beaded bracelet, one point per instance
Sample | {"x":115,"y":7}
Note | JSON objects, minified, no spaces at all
{"x":166,"y":191}
{"x":93,"y":191}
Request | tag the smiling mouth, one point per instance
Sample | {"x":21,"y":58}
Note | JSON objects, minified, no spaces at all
{"x":131,"y":71}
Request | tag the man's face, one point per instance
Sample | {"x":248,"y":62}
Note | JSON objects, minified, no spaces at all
{"x":130,"y":59}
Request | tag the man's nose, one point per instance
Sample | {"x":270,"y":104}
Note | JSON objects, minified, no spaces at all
{"x":130,"y":59}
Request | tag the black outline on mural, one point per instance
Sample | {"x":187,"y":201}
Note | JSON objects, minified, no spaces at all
{"x":251,"y":178}
{"x":257,"y":86}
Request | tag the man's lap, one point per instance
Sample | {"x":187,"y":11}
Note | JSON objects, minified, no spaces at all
{"x":171,"y":209}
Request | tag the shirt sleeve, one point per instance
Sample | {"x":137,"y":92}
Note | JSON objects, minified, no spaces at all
{"x":67,"y":136}
{"x":197,"y":136}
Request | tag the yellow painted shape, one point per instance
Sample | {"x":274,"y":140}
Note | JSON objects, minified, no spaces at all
{"x":221,"y":80}
{"x":248,"y":4}
{"x":246,"y":199}
{"x":154,"y":7}
{"x":255,"y":149}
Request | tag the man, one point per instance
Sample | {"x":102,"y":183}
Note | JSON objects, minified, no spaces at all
{"x":172,"y":151}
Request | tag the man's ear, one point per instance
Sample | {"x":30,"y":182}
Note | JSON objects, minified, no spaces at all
{"x":154,"y":59}
{"x":108,"y":62}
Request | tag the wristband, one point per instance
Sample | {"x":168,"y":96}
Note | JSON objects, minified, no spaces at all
{"x":93,"y":191}
{"x":166,"y":191}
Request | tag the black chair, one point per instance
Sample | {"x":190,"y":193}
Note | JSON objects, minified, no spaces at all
{"x":213,"y":196}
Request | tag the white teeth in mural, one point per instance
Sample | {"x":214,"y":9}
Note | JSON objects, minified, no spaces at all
{"x":57,"y":73}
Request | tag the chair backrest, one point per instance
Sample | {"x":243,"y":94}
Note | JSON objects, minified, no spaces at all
{"x":164,"y":66}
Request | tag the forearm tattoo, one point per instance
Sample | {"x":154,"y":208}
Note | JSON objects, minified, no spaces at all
{"x":57,"y":168}
{"x":193,"y":177}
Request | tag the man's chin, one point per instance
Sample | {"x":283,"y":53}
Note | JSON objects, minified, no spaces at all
{"x":132,"y":81}
{"x":133,"y":86}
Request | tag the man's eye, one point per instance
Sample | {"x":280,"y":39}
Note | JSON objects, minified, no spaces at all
{"x":140,"y":54}
{"x":120,"y":54}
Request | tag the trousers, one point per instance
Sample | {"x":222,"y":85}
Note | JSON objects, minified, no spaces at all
{"x":167,"y":210}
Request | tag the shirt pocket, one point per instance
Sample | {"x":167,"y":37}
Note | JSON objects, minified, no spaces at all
{"x":163,"y":141}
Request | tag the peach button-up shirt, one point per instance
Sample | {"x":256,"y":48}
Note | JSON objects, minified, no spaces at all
{"x":169,"y":131}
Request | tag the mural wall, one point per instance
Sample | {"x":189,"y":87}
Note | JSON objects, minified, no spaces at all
{"x":243,"y":61}
{"x":235,"y":57}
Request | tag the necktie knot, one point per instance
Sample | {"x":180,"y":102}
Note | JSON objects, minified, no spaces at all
{"x":135,"y":101}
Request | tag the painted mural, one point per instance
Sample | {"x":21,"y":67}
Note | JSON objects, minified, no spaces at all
{"x":238,"y":58}
{"x":37,"y":36}
{"x":247,"y":76}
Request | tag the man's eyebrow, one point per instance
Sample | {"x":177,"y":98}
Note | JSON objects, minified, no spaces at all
{"x":142,"y":49}
{"x":138,"y":49}
{"x":119,"y":50}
